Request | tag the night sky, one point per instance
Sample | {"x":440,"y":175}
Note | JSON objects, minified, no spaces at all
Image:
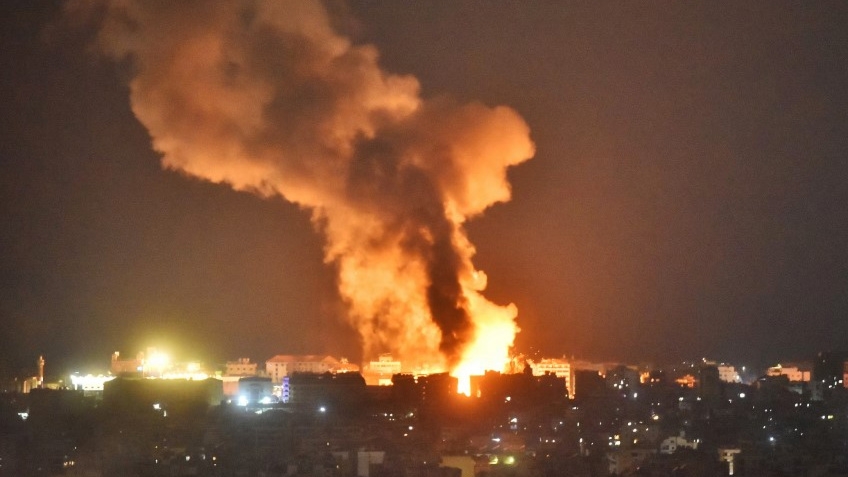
{"x":687,"y":198}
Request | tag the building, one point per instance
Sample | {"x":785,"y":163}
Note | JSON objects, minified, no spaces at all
{"x":126,"y":367}
{"x":131,"y":394}
{"x":791,"y":372}
{"x":559,"y":368}
{"x":324,"y":391}
{"x":709,"y":383}
{"x":255,"y":390}
{"x":727,"y":456}
{"x":241,"y":367}
{"x":671,"y":444}
{"x":89,"y":384}
{"x":234,"y":371}
{"x":283,"y":365}
{"x":152,"y":363}
{"x":624,"y":379}
{"x":728,"y":374}
{"x":380,"y":372}
{"x":588,"y":383}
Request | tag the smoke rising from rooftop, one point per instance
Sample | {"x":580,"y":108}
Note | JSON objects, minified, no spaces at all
{"x":266,"y":97}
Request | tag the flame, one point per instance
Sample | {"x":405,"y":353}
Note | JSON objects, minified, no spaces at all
{"x":495,"y":333}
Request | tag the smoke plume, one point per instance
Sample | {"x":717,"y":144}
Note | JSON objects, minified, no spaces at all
{"x":266,"y":97}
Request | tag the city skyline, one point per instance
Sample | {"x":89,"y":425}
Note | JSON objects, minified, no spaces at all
{"x":686,"y":196}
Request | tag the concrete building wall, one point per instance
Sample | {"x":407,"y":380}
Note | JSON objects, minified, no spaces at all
{"x":242,"y":367}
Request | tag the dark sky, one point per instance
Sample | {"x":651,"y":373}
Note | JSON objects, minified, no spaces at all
{"x":687,"y":198}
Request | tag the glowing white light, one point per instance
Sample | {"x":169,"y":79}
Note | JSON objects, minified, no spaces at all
{"x":89,"y":382}
{"x":242,"y":401}
{"x":157,"y":362}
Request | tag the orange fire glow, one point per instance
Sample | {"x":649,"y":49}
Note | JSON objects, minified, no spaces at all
{"x":495,"y":333}
{"x":388,"y":176}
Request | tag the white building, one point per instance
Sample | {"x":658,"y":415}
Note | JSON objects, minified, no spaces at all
{"x":283,"y":365}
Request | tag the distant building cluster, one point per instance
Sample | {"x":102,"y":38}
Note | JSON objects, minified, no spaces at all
{"x":321,"y":415}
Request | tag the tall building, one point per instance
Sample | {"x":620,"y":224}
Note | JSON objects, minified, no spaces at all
{"x":709,"y":383}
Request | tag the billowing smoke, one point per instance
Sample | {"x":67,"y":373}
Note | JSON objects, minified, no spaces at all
{"x":266,"y":97}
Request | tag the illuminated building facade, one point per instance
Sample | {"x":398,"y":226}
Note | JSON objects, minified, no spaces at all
{"x":234,"y":371}
{"x":728,"y":374}
{"x":241,"y":367}
{"x":380,"y":372}
{"x":791,"y":372}
{"x":671,"y":444}
{"x":89,"y":384}
{"x":559,"y":368}
{"x":283,"y":365}
{"x":828,"y":370}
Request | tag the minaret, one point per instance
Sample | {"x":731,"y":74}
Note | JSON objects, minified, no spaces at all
{"x":41,"y":372}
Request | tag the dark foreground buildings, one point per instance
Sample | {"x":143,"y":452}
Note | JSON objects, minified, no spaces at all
{"x":671,"y":422}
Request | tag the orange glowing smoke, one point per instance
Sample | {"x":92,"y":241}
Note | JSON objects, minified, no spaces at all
{"x":266,"y":97}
